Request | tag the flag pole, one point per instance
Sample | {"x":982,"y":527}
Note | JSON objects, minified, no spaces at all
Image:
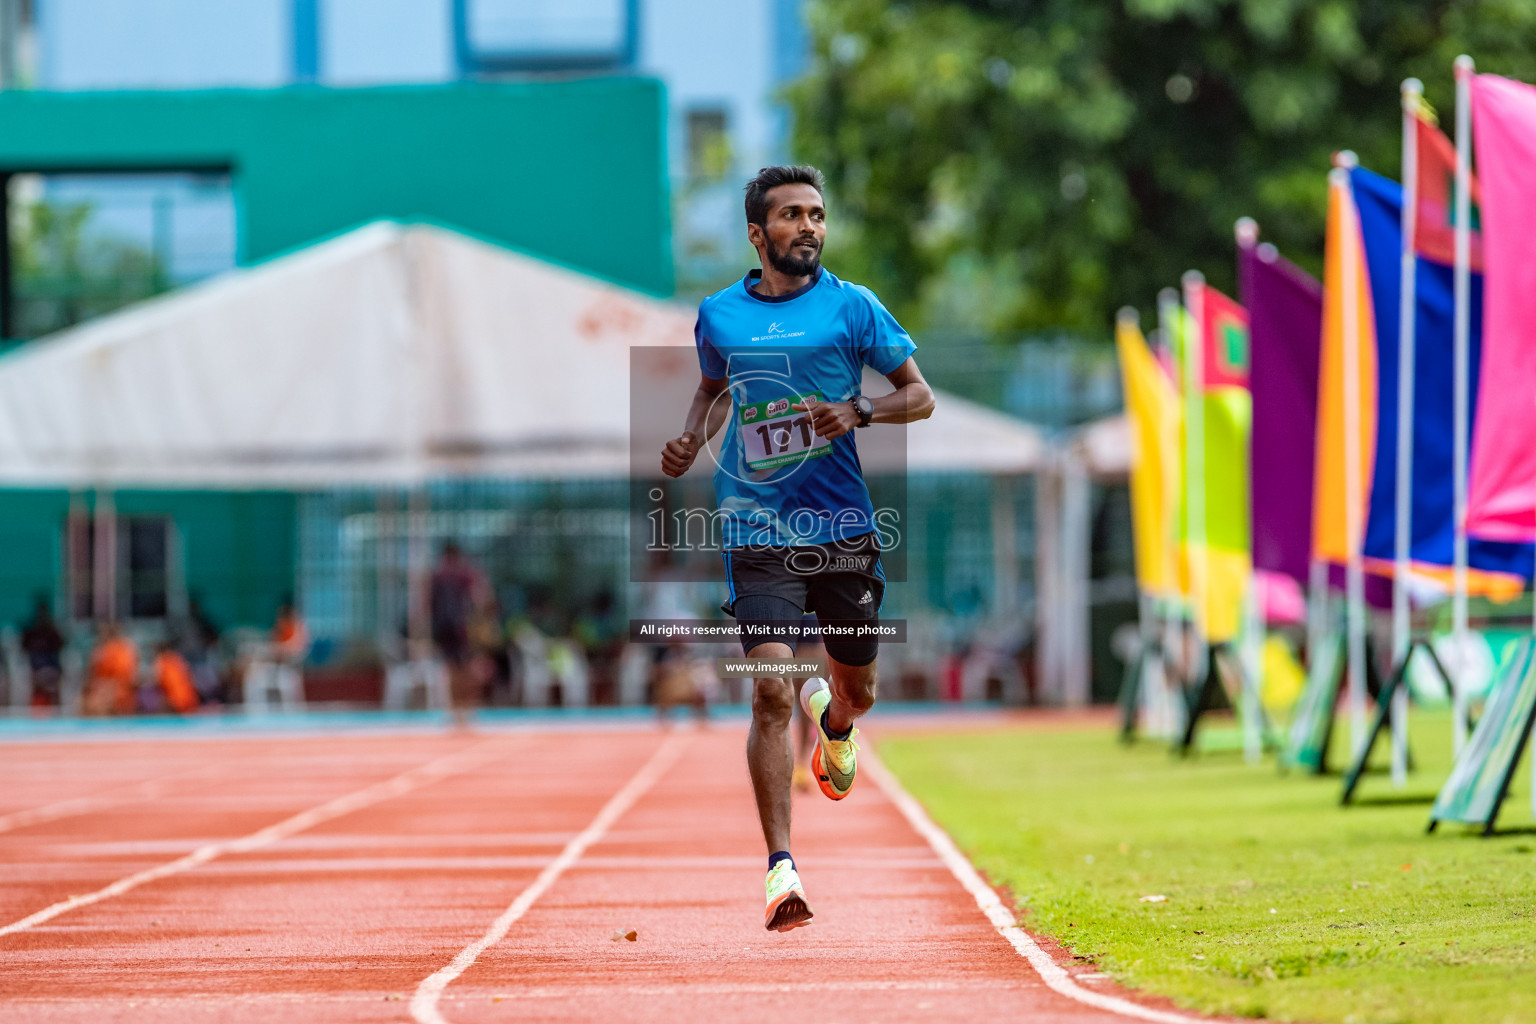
{"x":1246,"y":232}
{"x":1463,"y":298}
{"x":1194,"y":374}
{"x":1354,"y":464}
{"x":1407,"y":308}
{"x":1173,"y":634}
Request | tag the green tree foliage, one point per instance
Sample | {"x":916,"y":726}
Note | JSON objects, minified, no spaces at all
{"x":1005,"y":164}
{"x":65,"y":273}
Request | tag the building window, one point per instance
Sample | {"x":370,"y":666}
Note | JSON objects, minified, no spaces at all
{"x":136,"y":578}
{"x":85,"y":244}
{"x":709,"y":144}
{"x":544,"y":35}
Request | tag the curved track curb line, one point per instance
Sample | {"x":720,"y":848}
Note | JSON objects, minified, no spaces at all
{"x":1052,"y":973}
{"x":424,"y":1002}
{"x":400,"y":784}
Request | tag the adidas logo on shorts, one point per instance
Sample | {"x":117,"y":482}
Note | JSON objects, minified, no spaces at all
{"x":868,"y":597}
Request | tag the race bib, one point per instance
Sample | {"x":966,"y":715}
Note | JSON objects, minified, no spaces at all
{"x":774,"y":434}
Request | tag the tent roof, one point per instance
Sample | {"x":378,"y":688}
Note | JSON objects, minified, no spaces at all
{"x":389,"y":354}
{"x":1104,"y":445}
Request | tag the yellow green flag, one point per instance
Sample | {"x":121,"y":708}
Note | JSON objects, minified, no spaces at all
{"x":1216,"y":557}
{"x":1152,"y":410}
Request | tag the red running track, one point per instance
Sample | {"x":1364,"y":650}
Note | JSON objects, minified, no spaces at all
{"x":391,"y":855}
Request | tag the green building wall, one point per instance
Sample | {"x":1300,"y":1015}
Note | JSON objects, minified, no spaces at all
{"x":238,"y":549}
{"x":573,"y":171}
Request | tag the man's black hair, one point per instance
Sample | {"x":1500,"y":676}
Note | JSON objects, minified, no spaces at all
{"x":770,"y":178}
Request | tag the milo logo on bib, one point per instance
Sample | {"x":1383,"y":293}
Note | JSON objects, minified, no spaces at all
{"x":780,"y":435}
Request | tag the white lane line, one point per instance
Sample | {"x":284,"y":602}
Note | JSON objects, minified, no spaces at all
{"x":424,"y":1002}
{"x":379,"y":791}
{"x":149,"y":789}
{"x":1052,"y":973}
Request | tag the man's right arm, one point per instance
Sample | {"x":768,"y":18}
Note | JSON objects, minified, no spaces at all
{"x":705,"y":417}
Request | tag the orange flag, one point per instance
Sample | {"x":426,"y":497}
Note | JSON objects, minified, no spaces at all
{"x":1345,"y":284}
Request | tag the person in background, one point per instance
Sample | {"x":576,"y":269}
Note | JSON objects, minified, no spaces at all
{"x":601,"y":637}
{"x":290,"y":636}
{"x":174,"y":677}
{"x":678,"y":683}
{"x":489,"y":661}
{"x":114,"y":675}
{"x":43,"y":644}
{"x":457,"y":589}
{"x":198,"y":643}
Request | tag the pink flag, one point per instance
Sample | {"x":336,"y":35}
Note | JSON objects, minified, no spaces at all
{"x":1501,"y":502}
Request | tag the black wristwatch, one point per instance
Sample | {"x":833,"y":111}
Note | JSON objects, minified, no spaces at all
{"x":864,"y":408}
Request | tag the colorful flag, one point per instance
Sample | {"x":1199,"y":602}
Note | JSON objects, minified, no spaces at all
{"x":1344,"y":271}
{"x":1152,"y":408}
{"x":1225,"y":329}
{"x":1501,"y":502}
{"x":1434,"y":229}
{"x":1495,"y":567}
{"x":1285,"y":312}
{"x":1219,"y":563}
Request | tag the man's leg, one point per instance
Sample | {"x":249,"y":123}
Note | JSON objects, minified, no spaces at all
{"x":770,"y":754}
{"x":853,"y":694}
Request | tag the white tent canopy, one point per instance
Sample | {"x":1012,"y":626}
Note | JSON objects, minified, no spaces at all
{"x":391,"y":354}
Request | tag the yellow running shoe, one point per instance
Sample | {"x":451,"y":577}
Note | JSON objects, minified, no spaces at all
{"x":787,"y":909}
{"x":833,"y":762}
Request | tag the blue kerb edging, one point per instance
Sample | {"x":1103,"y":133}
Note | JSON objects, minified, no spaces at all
{"x":321,"y":722}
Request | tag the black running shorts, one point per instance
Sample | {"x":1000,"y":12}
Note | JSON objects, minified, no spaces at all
{"x":772,"y":588}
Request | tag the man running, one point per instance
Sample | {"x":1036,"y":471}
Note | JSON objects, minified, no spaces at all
{"x":789,"y":344}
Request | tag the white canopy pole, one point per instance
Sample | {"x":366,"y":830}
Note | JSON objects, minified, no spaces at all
{"x":1407,"y":308}
{"x":104,"y":560}
{"x":1462,"y":374}
{"x":1354,"y":466}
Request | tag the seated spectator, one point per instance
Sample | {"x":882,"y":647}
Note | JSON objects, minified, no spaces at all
{"x":491,"y":664}
{"x":174,"y":677}
{"x":290,"y":636}
{"x":114,"y":674}
{"x":199,"y":644}
{"x":43,"y":644}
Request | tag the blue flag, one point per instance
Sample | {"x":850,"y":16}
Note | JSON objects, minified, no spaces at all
{"x":1433,"y":526}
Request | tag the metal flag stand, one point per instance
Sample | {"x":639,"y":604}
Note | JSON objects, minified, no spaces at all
{"x":1391,"y":693}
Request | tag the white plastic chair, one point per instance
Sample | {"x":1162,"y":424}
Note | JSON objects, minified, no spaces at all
{"x":18,"y":670}
{"x":71,"y":681}
{"x":634,"y":673}
{"x":568,"y":667}
{"x":403,"y":678}
{"x":266,"y":675}
{"x":533,"y":661}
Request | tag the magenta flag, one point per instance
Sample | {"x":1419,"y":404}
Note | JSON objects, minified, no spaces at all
{"x":1285,"y":328}
{"x":1501,"y":499}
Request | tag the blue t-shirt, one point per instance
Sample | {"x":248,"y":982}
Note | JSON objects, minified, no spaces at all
{"x":775,"y":482}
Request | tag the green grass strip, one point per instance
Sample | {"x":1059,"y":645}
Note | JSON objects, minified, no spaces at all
{"x":1279,"y":904}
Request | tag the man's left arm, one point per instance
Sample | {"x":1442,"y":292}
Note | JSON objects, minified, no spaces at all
{"x":912,"y":400}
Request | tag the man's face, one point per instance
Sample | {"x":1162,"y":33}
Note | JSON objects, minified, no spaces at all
{"x":797,"y":225}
